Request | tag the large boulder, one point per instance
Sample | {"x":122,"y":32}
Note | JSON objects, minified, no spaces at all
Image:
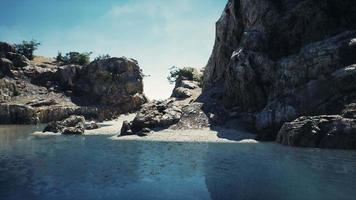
{"x":179,"y":112}
{"x":126,"y":128}
{"x":6,"y":48}
{"x":157,"y":114}
{"x":9,"y":51}
{"x":5,"y":67}
{"x":181,"y":93}
{"x":73,"y":125}
{"x":183,"y":89}
{"x":193,"y":117}
{"x":91,"y":126}
{"x":17,"y":59}
{"x":114,"y":82}
{"x":331,"y":131}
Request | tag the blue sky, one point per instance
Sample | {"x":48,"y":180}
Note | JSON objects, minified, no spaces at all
{"x":157,"y":33}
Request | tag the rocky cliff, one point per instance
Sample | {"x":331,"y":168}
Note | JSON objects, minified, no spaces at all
{"x":277,"y":60}
{"x":42,"y":90}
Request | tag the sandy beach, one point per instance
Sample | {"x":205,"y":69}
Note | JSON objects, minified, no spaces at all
{"x":218,"y":135}
{"x":194,"y":135}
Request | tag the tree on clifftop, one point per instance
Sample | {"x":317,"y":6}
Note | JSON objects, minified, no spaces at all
{"x":74,"y":58}
{"x":187,"y":73}
{"x":27,"y":48}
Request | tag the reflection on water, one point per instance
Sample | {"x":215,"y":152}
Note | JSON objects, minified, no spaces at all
{"x":95,"y":167}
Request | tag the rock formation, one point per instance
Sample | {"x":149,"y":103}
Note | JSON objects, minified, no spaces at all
{"x":73,"y":125}
{"x":176,"y":112}
{"x":275,"y":61}
{"x":112,"y":82}
{"x":328,"y":131}
{"x":41,"y":90}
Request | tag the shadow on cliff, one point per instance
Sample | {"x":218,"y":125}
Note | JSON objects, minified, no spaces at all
{"x":227,"y":127}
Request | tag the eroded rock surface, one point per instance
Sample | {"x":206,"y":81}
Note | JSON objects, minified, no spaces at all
{"x":170,"y":113}
{"x":73,"y":125}
{"x":275,"y":61}
{"x":326,"y":131}
{"x":114,"y":82}
{"x":42,"y":91}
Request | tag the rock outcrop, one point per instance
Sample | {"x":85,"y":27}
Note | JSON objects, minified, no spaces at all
{"x":41,"y":91}
{"x":328,"y":131}
{"x":170,"y":113}
{"x":73,"y":125}
{"x":275,"y":61}
{"x":6,"y":48}
{"x":112,"y":82}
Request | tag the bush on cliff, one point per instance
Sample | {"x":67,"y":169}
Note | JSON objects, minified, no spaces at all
{"x":102,"y":57}
{"x":27,"y":48}
{"x":74,"y":58}
{"x":187,"y":73}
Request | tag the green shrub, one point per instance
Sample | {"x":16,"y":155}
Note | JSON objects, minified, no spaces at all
{"x":59,"y":57}
{"x":74,"y":58}
{"x":27,"y":48}
{"x":102,"y":57}
{"x":187,"y":73}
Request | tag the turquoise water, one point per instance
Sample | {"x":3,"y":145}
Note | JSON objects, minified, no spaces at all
{"x":95,"y":167}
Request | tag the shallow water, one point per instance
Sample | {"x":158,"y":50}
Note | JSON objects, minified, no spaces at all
{"x":95,"y":167}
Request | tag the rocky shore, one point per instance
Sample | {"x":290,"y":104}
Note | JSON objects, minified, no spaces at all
{"x":43,"y":90}
{"x":285,"y":69}
{"x":181,"y":111}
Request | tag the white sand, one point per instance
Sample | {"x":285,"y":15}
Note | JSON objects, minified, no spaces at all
{"x":112,"y":127}
{"x":201,"y":135}
{"x":218,"y":135}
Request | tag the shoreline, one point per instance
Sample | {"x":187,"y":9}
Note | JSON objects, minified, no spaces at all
{"x":217,"y":135}
{"x":191,"y":135}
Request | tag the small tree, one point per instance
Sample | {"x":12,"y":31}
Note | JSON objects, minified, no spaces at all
{"x":74,"y":58}
{"x":188,"y":73}
{"x":59,"y":57}
{"x":27,"y":48}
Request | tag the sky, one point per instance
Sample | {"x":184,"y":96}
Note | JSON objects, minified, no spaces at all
{"x":158,"y":33}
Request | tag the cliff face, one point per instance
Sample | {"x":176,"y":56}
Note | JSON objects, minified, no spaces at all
{"x":278,"y":60}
